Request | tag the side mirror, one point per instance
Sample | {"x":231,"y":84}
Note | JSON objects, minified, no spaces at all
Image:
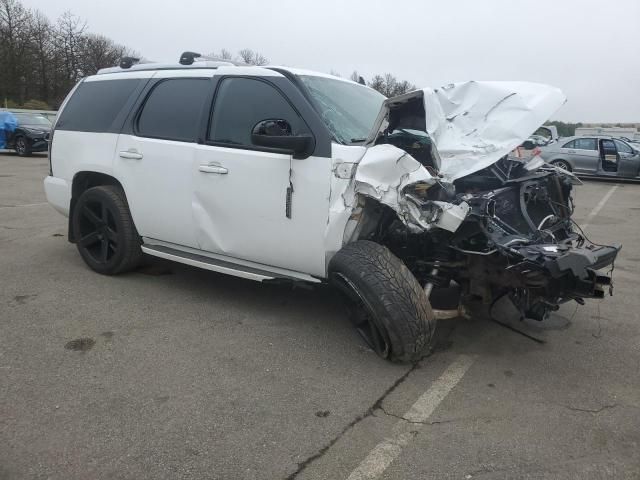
{"x":277,"y":134}
{"x":528,"y":145}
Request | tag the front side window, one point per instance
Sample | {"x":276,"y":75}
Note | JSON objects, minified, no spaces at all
{"x":608,"y":147}
{"x":173,"y":109}
{"x":241,"y":103}
{"x":349,"y":110}
{"x":586,"y":144}
{"x":571,"y":144}
{"x":623,"y":147}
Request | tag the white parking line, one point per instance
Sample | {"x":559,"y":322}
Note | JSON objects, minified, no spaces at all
{"x":405,"y":430}
{"x":598,"y":207}
{"x":25,"y":205}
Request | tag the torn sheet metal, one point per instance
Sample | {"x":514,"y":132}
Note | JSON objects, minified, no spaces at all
{"x":474,"y":124}
{"x":385,"y":171}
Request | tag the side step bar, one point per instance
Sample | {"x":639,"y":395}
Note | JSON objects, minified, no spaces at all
{"x":218,"y":265}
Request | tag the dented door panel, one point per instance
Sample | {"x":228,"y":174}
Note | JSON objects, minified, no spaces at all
{"x":243,"y":213}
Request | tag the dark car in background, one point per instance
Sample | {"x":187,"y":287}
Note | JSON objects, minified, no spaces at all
{"x":30,"y":135}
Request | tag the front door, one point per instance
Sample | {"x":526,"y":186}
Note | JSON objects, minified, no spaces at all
{"x":254,"y":203}
{"x":629,"y":160}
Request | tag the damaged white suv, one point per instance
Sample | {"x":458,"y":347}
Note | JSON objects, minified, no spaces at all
{"x":275,"y":173}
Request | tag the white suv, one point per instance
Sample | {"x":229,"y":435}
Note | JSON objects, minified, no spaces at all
{"x":273,"y":173}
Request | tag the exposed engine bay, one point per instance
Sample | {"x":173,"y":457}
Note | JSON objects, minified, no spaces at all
{"x":518,"y":239}
{"x":504,"y":229}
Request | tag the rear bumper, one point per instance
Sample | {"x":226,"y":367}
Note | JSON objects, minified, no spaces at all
{"x":58,"y":193}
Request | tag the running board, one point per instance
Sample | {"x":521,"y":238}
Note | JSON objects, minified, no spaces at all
{"x":218,"y":265}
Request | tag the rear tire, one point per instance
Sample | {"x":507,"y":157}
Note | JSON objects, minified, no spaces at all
{"x":104,"y":231}
{"x":389,"y":307}
{"x":562,"y":164}
{"x":23,"y":147}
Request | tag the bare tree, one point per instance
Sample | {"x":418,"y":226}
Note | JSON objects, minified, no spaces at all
{"x":98,"y":51}
{"x":15,"y":36}
{"x":389,"y":86}
{"x":251,"y":57}
{"x":42,"y":48}
{"x":69,"y":38}
{"x":41,"y":61}
{"x":377,"y":83}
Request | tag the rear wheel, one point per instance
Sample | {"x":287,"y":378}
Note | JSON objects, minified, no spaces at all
{"x":23,"y":147}
{"x":563,"y":164}
{"x":104,"y":231}
{"x":387,"y":304}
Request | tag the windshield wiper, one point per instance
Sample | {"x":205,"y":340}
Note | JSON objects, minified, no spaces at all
{"x":358,"y":140}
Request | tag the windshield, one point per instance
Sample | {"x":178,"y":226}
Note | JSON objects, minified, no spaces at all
{"x":348,"y":109}
{"x":32,"y":119}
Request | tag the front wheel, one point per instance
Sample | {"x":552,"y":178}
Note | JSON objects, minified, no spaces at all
{"x":388,"y":306}
{"x":104,"y":231}
{"x":23,"y":147}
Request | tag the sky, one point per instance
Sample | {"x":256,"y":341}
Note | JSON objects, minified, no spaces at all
{"x":590,"y":49}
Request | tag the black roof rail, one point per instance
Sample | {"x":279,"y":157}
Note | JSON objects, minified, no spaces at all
{"x":187,"y":58}
{"x":128,"y":62}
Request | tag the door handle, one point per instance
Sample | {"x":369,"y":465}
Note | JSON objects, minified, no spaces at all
{"x":213,"y":169}
{"x":131,"y":155}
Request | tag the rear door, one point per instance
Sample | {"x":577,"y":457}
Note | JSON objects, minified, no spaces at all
{"x":585,"y":154}
{"x":155,"y":154}
{"x":608,"y":157}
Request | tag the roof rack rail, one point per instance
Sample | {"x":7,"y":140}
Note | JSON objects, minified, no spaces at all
{"x":128,"y":62}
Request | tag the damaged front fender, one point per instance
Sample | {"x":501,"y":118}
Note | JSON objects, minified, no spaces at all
{"x":385,"y":172}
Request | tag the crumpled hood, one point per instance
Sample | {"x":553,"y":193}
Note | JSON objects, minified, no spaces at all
{"x":474,"y":124}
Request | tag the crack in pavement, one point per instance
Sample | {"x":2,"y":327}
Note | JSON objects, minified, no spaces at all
{"x":377,"y":405}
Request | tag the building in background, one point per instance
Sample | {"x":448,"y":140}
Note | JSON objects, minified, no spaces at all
{"x":627,"y":132}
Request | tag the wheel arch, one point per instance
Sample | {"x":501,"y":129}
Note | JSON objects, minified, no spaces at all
{"x":81,"y":182}
{"x":563,"y":159}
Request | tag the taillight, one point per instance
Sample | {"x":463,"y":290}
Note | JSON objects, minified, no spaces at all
{"x":50,"y":143}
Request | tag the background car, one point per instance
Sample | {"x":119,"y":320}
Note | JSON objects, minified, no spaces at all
{"x":594,"y":156}
{"x":31,"y":134}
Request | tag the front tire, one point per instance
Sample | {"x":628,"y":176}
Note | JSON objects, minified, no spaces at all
{"x":388,"y":306}
{"x":104,"y":231}
{"x":23,"y":147}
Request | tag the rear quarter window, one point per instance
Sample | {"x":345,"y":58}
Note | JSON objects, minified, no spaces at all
{"x":95,"y":106}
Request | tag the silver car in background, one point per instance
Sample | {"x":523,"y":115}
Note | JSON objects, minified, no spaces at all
{"x":594,"y":156}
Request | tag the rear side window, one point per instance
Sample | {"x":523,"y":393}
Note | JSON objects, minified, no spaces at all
{"x":241,"y":103}
{"x":586,"y":144}
{"x":95,"y":105}
{"x":173,"y":109}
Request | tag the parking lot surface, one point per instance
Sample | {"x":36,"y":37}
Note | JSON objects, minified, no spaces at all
{"x":172,"y":372}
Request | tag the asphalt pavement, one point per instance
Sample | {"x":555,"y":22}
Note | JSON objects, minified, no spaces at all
{"x":171,"y":372}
